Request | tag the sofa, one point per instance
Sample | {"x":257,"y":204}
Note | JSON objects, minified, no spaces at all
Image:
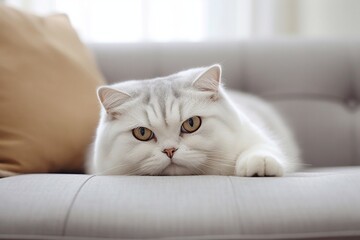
{"x":315,"y":85}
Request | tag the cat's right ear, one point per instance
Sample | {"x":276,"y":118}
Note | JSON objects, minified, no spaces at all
{"x":111,"y":98}
{"x":209,"y":81}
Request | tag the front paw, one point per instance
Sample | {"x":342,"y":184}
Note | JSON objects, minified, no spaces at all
{"x":258,"y":165}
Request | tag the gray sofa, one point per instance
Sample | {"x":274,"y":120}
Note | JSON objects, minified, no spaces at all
{"x":314,"y":84}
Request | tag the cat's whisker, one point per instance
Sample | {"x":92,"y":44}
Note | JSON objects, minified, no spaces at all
{"x":108,"y":170}
{"x":222,"y":166}
{"x":211,"y":152}
{"x":210,"y":167}
{"x":220,"y":155}
{"x":215,"y":164}
{"x":133,"y":172}
{"x":226,"y":163}
{"x":300,"y":164}
{"x":197,"y":169}
{"x":151,"y":170}
{"x":215,"y":152}
{"x":122,"y":165}
{"x":149,"y":167}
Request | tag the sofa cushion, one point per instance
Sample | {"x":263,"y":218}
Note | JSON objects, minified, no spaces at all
{"x":48,"y":103}
{"x":306,"y":205}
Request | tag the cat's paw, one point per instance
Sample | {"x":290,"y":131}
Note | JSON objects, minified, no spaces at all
{"x":258,"y":165}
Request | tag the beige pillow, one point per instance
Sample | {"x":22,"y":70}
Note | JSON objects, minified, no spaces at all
{"x":48,"y":104}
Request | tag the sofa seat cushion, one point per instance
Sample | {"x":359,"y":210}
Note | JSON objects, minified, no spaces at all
{"x":306,"y":205}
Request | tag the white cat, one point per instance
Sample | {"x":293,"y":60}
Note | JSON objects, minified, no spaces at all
{"x":186,"y":124}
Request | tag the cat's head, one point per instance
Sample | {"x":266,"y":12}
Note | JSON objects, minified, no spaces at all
{"x":162,"y":126}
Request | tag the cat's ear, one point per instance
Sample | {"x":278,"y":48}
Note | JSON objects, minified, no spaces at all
{"x":209,"y":80}
{"x":111,"y":98}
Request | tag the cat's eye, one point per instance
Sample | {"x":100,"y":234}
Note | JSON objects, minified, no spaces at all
{"x":143,"y":134}
{"x":191,"y":125}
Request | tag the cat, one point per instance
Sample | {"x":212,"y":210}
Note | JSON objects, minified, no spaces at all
{"x":187,"y":124}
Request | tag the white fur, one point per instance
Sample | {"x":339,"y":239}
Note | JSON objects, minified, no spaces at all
{"x":244,"y":139}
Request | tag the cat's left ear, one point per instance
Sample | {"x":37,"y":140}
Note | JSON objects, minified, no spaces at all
{"x":111,"y":98}
{"x":209,"y":80}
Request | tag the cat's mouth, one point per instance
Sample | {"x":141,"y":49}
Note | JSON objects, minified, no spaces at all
{"x":172,"y":165}
{"x":174,"y":169}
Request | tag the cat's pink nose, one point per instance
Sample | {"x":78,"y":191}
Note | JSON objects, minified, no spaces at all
{"x":169,"y":152}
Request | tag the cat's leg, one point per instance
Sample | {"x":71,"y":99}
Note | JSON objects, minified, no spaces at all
{"x":259,"y":161}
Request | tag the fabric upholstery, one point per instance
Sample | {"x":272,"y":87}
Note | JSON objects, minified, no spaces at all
{"x":48,"y":103}
{"x":315,"y":84}
{"x":301,"y":205}
{"x":41,"y":200}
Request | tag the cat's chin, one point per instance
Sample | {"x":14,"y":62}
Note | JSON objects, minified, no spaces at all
{"x":175,"y":170}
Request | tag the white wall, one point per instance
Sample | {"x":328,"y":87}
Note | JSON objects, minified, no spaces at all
{"x":329,"y":18}
{"x":219,"y":19}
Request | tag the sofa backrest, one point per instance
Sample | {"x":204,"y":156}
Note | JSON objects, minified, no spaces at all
{"x":314,"y":84}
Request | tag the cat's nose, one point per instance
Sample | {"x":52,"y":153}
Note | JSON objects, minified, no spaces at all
{"x":169,"y":152}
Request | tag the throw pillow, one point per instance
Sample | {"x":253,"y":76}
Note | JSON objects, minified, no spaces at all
{"x":48,"y":104}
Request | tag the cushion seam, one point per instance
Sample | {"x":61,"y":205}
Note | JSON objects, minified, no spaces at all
{"x":67,"y":216}
{"x":307,"y":235}
{"x":236,"y":202}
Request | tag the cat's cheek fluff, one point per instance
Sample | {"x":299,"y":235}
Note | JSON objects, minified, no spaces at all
{"x":192,"y":160}
{"x":201,"y":140}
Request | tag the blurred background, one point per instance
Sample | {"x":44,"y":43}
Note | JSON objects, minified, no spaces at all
{"x":202,"y":20}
